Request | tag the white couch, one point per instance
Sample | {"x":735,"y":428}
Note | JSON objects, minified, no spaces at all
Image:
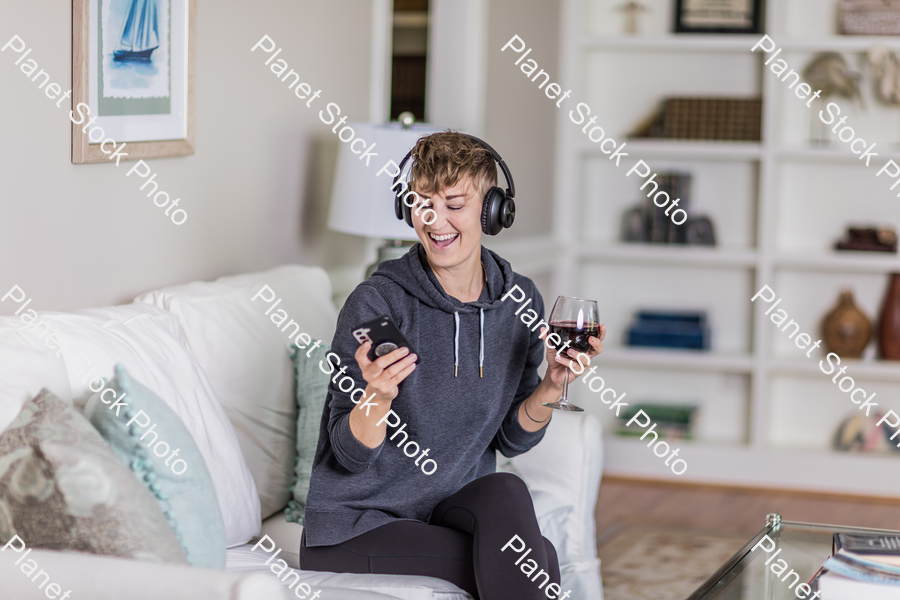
{"x":209,"y":350}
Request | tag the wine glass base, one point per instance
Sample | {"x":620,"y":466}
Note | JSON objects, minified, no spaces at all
{"x":567,"y":406}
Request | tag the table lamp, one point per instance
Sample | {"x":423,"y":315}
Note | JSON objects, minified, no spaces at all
{"x":362,"y":202}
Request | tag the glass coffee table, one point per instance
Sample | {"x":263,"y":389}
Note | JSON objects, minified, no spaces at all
{"x":804,"y":547}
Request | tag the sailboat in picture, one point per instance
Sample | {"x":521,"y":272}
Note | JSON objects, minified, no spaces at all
{"x":140,"y":35}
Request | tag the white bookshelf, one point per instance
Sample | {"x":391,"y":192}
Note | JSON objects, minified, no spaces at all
{"x":767,"y":412}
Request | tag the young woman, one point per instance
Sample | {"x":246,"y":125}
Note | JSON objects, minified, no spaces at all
{"x":425,"y":500}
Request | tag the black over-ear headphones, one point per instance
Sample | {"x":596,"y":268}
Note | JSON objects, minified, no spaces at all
{"x":498,"y":210}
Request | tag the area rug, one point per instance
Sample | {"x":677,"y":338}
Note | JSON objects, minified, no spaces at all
{"x":641,"y":562}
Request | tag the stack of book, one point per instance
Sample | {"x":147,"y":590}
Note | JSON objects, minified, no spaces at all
{"x":647,"y":222}
{"x":862,"y":566}
{"x":674,"y":421}
{"x":659,"y":227}
{"x":677,"y":329}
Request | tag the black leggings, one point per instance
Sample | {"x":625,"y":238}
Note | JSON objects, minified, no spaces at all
{"x":461,"y":543}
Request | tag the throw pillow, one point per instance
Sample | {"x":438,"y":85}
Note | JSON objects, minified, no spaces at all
{"x":238,"y":334}
{"x":62,"y":488}
{"x":312,"y":388}
{"x":184,"y":490}
{"x":150,"y":343}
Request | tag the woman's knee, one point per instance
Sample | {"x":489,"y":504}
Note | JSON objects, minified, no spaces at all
{"x":498,"y":495}
{"x":506,"y":484}
{"x":552,"y":556}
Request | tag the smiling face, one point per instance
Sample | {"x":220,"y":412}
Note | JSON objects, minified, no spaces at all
{"x":453,"y":239}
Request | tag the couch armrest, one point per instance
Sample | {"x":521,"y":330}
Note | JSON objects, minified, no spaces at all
{"x":563,"y":472}
{"x":94,"y":577}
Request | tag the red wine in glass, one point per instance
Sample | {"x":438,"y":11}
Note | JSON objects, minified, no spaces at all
{"x":574,"y":320}
{"x":569,"y":331}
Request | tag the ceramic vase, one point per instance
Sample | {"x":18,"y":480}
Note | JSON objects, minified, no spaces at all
{"x":846,"y":329}
{"x":889,"y":327}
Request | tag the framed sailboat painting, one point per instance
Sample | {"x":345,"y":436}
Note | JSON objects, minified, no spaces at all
{"x":133,"y":69}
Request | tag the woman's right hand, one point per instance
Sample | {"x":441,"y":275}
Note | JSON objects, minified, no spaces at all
{"x":384,"y":375}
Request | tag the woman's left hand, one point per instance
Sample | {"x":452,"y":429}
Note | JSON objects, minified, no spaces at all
{"x":559,"y":365}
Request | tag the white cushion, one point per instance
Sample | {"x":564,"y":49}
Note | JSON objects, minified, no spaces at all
{"x":27,"y":364}
{"x":92,"y":577}
{"x":245,"y":355}
{"x":564,"y":470}
{"x":149,"y":342}
{"x":355,"y":585}
{"x":286,"y":536}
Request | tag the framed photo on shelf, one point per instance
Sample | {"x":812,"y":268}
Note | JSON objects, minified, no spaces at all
{"x":133,"y":69}
{"x":718,"y":16}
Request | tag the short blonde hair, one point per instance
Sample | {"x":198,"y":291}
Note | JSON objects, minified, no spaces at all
{"x":443,"y":159}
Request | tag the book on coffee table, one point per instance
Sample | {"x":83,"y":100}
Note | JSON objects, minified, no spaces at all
{"x":868,"y":547}
{"x":862,"y":565}
{"x":834,"y":586}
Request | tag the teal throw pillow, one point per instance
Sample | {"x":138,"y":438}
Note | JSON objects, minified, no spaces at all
{"x":312,"y":388}
{"x":151,"y":439}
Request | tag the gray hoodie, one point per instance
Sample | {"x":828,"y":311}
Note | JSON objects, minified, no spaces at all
{"x":462,"y":420}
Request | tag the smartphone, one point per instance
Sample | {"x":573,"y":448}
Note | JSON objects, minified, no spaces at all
{"x":383,"y":334}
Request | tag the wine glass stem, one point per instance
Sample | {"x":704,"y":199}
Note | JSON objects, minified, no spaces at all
{"x":564,"y":399}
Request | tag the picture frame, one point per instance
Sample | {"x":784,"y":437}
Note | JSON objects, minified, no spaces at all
{"x":133,"y":66}
{"x":719,"y":16}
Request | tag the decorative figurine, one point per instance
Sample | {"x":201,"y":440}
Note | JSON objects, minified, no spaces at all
{"x":889,"y":323}
{"x":886,"y":66}
{"x":633,"y":227}
{"x":846,"y":329}
{"x":860,"y":433}
{"x":700,"y":232}
{"x":869,"y":239}
{"x":828,"y":71}
{"x":632,"y":9}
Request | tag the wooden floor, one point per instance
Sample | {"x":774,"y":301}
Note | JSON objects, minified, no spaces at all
{"x":731,"y":510}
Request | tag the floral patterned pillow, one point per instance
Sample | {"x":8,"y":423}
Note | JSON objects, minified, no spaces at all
{"x":62,"y":488}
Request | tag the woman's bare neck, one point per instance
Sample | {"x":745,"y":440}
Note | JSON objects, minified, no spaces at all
{"x":464,"y":282}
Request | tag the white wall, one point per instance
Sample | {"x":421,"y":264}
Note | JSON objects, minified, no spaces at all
{"x":256,"y":191}
{"x":520,"y":120}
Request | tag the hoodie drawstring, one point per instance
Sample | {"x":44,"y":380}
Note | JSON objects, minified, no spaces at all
{"x":481,"y":355}
{"x":456,"y":345}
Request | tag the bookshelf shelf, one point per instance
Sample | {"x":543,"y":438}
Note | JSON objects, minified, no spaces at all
{"x":838,"y":154}
{"x":678,"y":360}
{"x":766,"y":467}
{"x":837,"y":43}
{"x":854,"y":262}
{"x":686,"y":149}
{"x":655,"y":254}
{"x":670,"y":43}
{"x":732,"y":43}
{"x":880,"y":370}
{"x":766,"y":200}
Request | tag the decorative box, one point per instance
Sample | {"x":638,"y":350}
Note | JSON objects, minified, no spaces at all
{"x":869,"y":17}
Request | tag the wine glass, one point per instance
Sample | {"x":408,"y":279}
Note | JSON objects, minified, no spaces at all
{"x":574,"y":320}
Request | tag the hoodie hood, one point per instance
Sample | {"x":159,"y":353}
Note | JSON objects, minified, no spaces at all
{"x":413,"y":273}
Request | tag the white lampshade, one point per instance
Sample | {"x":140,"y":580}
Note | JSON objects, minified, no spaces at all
{"x":361,"y":202}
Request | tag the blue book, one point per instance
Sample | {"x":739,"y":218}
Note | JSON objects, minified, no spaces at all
{"x":863,"y":570}
{"x":671,"y":329}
